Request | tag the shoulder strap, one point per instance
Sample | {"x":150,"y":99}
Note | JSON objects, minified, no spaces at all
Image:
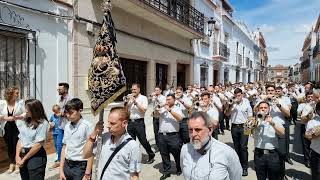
{"x":113,"y":154}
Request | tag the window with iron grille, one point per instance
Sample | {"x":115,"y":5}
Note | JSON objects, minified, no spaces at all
{"x":14,"y":62}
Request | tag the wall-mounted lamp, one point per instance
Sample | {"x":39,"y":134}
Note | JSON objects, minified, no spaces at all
{"x":211,"y":24}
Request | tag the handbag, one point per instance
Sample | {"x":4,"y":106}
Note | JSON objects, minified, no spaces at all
{"x":113,"y":154}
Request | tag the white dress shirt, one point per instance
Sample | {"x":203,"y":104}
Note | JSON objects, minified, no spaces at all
{"x":315,"y":142}
{"x":241,"y":112}
{"x":186,"y":101}
{"x":135,"y":113}
{"x":167,"y":123}
{"x":29,"y":136}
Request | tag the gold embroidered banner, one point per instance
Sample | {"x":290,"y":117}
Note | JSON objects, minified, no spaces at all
{"x":106,"y":79}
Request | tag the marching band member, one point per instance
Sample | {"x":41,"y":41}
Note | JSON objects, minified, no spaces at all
{"x":169,"y":139}
{"x":266,"y":158}
{"x":302,"y":109}
{"x":158,"y":101}
{"x":206,"y":158}
{"x":239,"y":113}
{"x":213,"y":113}
{"x":137,"y":106}
{"x":169,"y":90}
{"x":216,"y":103}
{"x":184,"y":103}
{"x":313,"y":133}
{"x":279,"y":111}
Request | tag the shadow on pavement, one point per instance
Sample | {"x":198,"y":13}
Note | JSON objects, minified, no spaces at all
{"x":298,"y":175}
{"x":159,"y":167}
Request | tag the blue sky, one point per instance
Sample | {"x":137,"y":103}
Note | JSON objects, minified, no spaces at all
{"x":284,"y":23}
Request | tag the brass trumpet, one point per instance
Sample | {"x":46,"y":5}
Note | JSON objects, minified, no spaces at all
{"x":127,"y":98}
{"x":253,"y":122}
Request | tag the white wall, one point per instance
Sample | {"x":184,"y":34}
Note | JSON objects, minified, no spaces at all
{"x":52,"y":47}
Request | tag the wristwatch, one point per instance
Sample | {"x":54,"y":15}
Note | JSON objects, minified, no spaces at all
{"x":92,"y":139}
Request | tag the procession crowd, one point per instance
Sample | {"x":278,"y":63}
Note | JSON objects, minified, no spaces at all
{"x":186,"y":125}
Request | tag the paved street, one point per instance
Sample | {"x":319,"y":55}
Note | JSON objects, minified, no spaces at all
{"x":298,"y":171}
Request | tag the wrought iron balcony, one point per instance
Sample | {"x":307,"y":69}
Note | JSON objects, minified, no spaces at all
{"x":316,"y":50}
{"x":220,"y":49}
{"x":239,"y":60}
{"x":250,"y":64}
{"x":305,"y":64}
{"x":179,"y":10}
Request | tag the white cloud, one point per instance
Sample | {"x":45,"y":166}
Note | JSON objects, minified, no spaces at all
{"x":265,"y":28}
{"x":302,"y":28}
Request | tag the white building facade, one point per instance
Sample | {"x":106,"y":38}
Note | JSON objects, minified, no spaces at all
{"x":231,"y":53}
{"x":35,"y":38}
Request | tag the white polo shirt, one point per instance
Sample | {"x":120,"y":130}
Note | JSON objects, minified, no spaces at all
{"x":276,"y":113}
{"x":135,"y":113}
{"x":213,"y":113}
{"x":220,"y":162}
{"x":265,"y":136}
{"x":29,"y":136}
{"x":125,"y":162}
{"x":217,"y":102}
{"x":167,"y":123}
{"x":315,"y":142}
{"x":75,"y":137}
{"x":241,"y":112}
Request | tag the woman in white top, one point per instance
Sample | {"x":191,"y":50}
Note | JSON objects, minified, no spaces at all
{"x":30,"y":154}
{"x":10,"y":111}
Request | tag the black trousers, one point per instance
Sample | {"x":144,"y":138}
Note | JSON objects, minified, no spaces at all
{"x":284,"y":146}
{"x":11,"y":139}
{"x":215,"y":133}
{"x":293,"y":111}
{"x":35,"y":167}
{"x":156,"y":130}
{"x":305,"y":144}
{"x":138,"y":129}
{"x":267,"y":165}
{"x":170,"y":143}
{"x":74,"y":170}
{"x":184,"y":131}
{"x":315,"y":165}
{"x":221,"y":121}
{"x":240,"y":143}
{"x":227,"y":119}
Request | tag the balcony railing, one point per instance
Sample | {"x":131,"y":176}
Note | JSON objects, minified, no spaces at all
{"x":239,"y":60}
{"x":250,"y":65}
{"x":305,"y":64}
{"x":221,"y":49}
{"x":181,"y":11}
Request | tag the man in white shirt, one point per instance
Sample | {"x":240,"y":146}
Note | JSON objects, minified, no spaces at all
{"x":239,"y":113}
{"x":266,"y":158}
{"x":157,"y":100}
{"x":169,"y":139}
{"x":206,"y":158}
{"x":184,"y":103}
{"x":213,"y":113}
{"x":126,"y":163}
{"x":313,"y":133}
{"x":305,"y":109}
{"x":137,"y":106}
{"x":280,"y":111}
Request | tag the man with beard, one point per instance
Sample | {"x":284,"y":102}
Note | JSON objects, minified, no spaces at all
{"x":206,"y":158}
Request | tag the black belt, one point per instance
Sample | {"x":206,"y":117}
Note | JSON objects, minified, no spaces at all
{"x":168,"y":133}
{"x":136,"y":120}
{"x":265,"y":151}
{"x":237,"y":125}
{"x":73,"y":163}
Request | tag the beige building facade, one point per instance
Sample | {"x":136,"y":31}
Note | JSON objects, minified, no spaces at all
{"x":154,"y":42}
{"x":278,"y":74}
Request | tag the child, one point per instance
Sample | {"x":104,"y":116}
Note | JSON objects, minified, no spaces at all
{"x":76,"y":132}
{"x":57,"y":133}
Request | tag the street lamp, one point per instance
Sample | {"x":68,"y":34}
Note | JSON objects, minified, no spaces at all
{"x":211,"y":24}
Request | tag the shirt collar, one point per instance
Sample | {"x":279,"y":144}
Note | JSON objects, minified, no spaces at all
{"x":120,"y":140}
